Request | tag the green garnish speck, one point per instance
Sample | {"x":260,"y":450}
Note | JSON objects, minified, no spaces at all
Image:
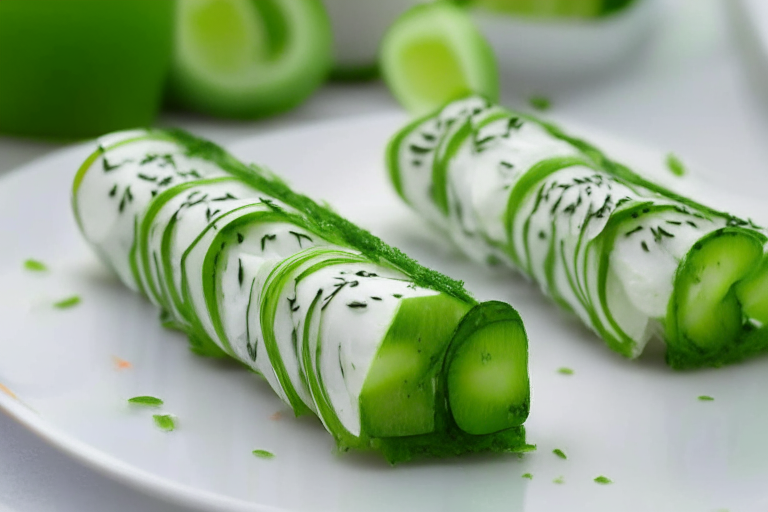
{"x":263,"y":454}
{"x":604,"y":480}
{"x":675,"y":166}
{"x":559,"y":453}
{"x":165,"y":422}
{"x":528,"y":476}
{"x":35,"y":265}
{"x":706,"y":398}
{"x":67,"y":303}
{"x":540,"y":103}
{"x":565,"y":371}
{"x":558,"y":480}
{"x":146,"y":400}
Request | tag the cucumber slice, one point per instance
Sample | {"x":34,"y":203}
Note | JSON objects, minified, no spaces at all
{"x":433,"y":54}
{"x":246,"y":58}
{"x":398,"y":397}
{"x":752,"y":293}
{"x":487,"y":370}
{"x":704,"y":311}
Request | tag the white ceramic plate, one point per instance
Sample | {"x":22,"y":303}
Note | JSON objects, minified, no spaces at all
{"x":638,"y":423}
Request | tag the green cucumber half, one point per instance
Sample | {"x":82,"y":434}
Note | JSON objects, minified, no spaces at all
{"x":248,"y":58}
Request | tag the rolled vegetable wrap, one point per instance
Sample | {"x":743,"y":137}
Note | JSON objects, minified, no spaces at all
{"x":389,"y":355}
{"x":631,"y":258}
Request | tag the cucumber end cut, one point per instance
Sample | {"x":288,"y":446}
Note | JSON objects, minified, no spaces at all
{"x":434,"y":54}
{"x":707,"y":323}
{"x":399,"y":394}
{"x":487,"y":370}
{"x":430,"y":393}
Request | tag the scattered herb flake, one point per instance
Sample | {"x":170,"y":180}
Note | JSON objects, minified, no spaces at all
{"x":35,"y":265}
{"x":565,"y":371}
{"x":528,"y":476}
{"x":165,"y":422}
{"x":149,"y":401}
{"x":603,"y":480}
{"x":559,"y":480}
{"x":560,"y":453}
{"x":674,"y":165}
{"x":121,"y":364}
{"x":263,"y":454}
{"x":357,"y":305}
{"x":68,"y":302}
{"x":706,"y":398}
{"x":540,"y":103}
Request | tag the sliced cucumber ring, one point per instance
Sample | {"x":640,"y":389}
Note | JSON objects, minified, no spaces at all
{"x":433,"y":54}
{"x":248,"y":58}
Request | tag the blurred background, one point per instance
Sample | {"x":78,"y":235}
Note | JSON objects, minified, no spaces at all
{"x":689,"y":76}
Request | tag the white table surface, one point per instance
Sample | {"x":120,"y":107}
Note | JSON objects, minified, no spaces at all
{"x":687,"y":92}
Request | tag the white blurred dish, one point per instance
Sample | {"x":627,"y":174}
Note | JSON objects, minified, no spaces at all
{"x":358,"y":27}
{"x":537,"y":54}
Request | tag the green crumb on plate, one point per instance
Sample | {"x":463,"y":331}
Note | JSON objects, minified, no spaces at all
{"x":528,"y":476}
{"x":604,"y":480}
{"x":675,"y":166}
{"x":559,"y":480}
{"x":35,"y":265}
{"x":263,"y":454}
{"x":565,"y":371}
{"x":150,"y":401}
{"x":68,"y":302}
{"x":560,"y":453}
{"x":706,"y":398}
{"x":165,"y":422}
{"x":540,"y":102}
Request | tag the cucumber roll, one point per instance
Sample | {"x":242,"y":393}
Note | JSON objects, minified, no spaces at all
{"x":390,"y":356}
{"x":631,"y":258}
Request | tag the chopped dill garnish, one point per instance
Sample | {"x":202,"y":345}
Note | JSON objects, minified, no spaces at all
{"x":565,"y":371}
{"x":263,"y":454}
{"x":675,"y":166}
{"x":357,"y":305}
{"x":560,"y":453}
{"x":35,"y":265}
{"x":603,"y":480}
{"x":264,"y":240}
{"x":559,"y":480}
{"x":706,"y":398}
{"x":68,"y":302}
{"x":528,"y":476}
{"x":164,"y":422}
{"x":540,"y":103}
{"x":644,"y":246}
{"x":149,"y":401}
